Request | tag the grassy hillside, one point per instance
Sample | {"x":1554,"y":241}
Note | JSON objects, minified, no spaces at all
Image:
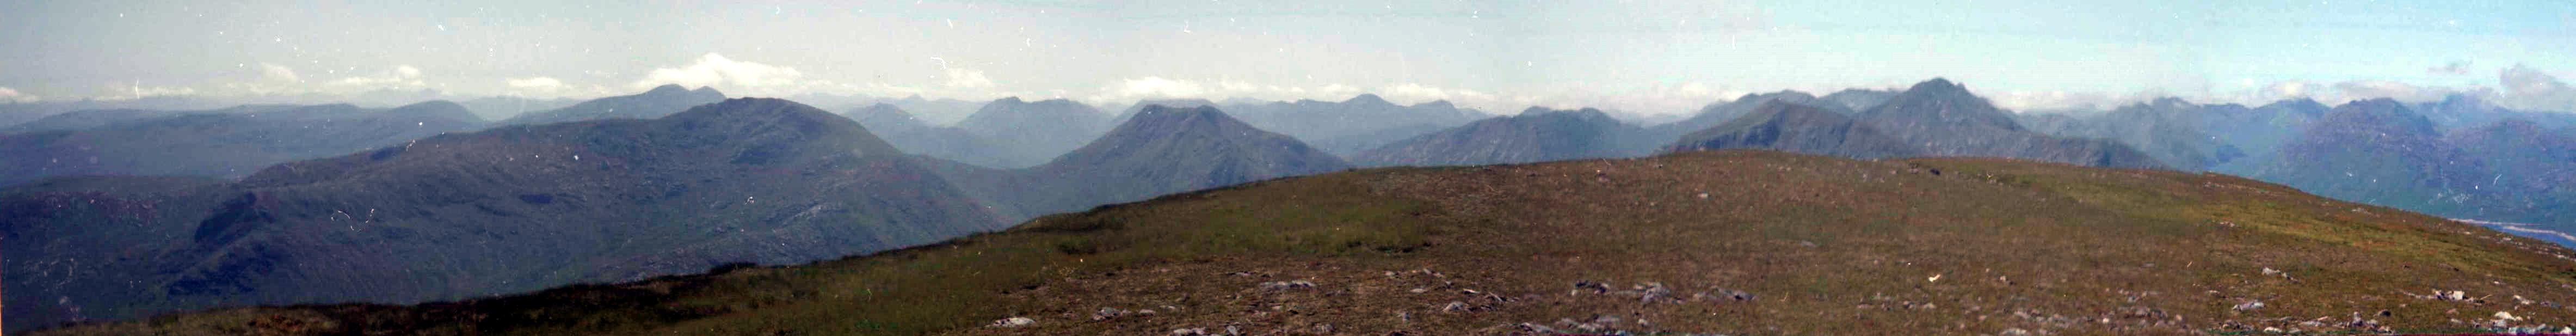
{"x":1741,"y":243}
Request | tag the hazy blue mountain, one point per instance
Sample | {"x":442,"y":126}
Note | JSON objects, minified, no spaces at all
{"x":1025,"y":133}
{"x":229,"y":143}
{"x":941,"y":111}
{"x":1721,"y":112}
{"x":660,"y":101}
{"x":1945,"y":119}
{"x":1131,"y":110}
{"x":85,"y":119}
{"x":2260,"y":131}
{"x":505,"y":210}
{"x":1537,"y":134}
{"x":1790,"y":127}
{"x":2169,"y":129}
{"x":916,"y":136}
{"x":1161,"y":150}
{"x":506,"y":107}
{"x":2532,"y":168}
{"x":1854,"y":100}
{"x":1363,"y":122}
{"x":2460,"y":111}
{"x":2380,"y":152}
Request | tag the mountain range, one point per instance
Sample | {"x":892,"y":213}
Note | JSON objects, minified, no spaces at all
{"x":1160,"y":150}
{"x":660,"y":101}
{"x":225,"y":143}
{"x":1797,"y":128}
{"x":1535,"y":135}
{"x":674,"y":181}
{"x":505,"y":210}
{"x":1709,"y":242}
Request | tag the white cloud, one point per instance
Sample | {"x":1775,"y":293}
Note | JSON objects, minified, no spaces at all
{"x":536,"y":83}
{"x":279,"y":73}
{"x":716,"y":70}
{"x":1416,"y":92}
{"x":400,"y":76}
{"x":968,"y":78}
{"x":2527,"y":88}
{"x":1151,"y":88}
{"x":12,"y":95}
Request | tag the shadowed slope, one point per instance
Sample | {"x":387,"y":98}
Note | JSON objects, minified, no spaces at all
{"x":509,"y":209}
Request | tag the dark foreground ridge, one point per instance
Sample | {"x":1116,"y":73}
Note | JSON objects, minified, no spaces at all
{"x":1712,"y":242}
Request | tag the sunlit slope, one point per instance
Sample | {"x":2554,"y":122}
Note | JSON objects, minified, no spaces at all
{"x":1742,"y":243}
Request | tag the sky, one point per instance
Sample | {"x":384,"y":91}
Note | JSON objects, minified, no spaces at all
{"x":1643,"y":57}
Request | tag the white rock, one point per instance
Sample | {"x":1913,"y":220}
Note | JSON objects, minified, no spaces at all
{"x":1012,"y":322}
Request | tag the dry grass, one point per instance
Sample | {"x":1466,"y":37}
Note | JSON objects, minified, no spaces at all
{"x":1824,"y":246}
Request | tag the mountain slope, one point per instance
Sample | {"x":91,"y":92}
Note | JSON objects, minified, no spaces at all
{"x":1652,"y":246}
{"x":510,"y":209}
{"x":1797,"y":128}
{"x":2379,"y":152}
{"x":2532,"y":168}
{"x":228,"y":143}
{"x":1722,"y":112}
{"x":660,"y":101}
{"x":1027,"y":133}
{"x":1537,"y":134}
{"x":913,"y":135}
{"x":1361,"y":123}
{"x":1947,"y":120}
{"x":1162,"y":150}
{"x":2169,"y":129}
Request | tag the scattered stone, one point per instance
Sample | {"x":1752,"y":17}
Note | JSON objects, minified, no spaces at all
{"x":2452,"y":295}
{"x":1655,"y":290}
{"x":1013,"y":322}
{"x":1106,"y":313}
{"x":1286,"y":285}
{"x":2270,"y":271}
{"x":2506,"y":316}
{"x":1189,"y":332}
{"x":2013,"y":332}
{"x":2249,"y":305}
{"x":1596,"y":287}
{"x":1453,"y":306}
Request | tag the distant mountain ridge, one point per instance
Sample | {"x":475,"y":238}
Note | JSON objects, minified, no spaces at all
{"x":510,"y":209}
{"x":1161,"y":150}
{"x":1535,"y":135}
{"x":1797,"y":128}
{"x":1945,"y":119}
{"x":228,"y":143}
{"x":660,"y":101}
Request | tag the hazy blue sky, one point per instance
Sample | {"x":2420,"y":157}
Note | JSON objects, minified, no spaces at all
{"x":1642,"y":56}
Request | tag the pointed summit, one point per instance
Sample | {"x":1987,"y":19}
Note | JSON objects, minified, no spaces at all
{"x":1164,"y":150}
{"x":436,"y":109}
{"x":1029,"y":133}
{"x":1938,"y":85}
{"x":1369,"y":99}
{"x":1940,"y":106}
{"x":666,"y":90}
